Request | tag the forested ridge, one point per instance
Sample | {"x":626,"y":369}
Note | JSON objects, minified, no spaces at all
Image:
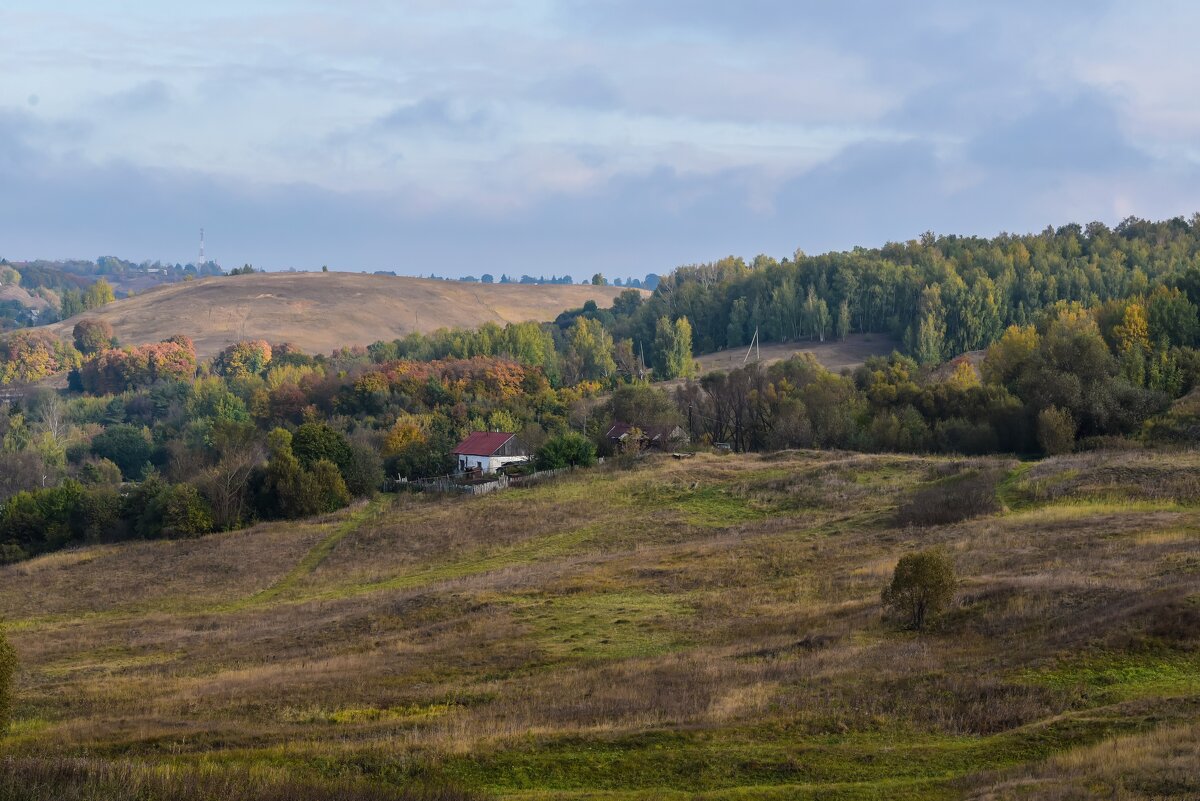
{"x":1090,"y":338}
{"x":938,"y":295}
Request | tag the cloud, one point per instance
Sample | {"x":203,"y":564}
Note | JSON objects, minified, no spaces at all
{"x":1080,"y":133}
{"x":582,"y":87}
{"x":144,"y":97}
{"x":436,"y":115}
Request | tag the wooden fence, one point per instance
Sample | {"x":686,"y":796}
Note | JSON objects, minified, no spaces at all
{"x":452,"y":484}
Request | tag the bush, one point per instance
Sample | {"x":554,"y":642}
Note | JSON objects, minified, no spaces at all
{"x":971,"y":493}
{"x":1055,"y":431}
{"x":185,"y":513}
{"x":922,"y":586}
{"x":566,"y":450}
{"x":100,"y":472}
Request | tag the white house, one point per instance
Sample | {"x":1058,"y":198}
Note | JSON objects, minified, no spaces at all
{"x":488,"y":451}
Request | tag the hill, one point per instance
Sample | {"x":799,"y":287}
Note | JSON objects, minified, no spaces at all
{"x":712,"y":629}
{"x":321,"y":312}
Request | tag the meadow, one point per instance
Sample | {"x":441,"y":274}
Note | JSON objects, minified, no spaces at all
{"x":708,"y":628}
{"x":348,"y":309}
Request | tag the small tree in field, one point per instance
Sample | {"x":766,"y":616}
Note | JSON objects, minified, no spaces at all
{"x":8,"y":666}
{"x":922,"y":586}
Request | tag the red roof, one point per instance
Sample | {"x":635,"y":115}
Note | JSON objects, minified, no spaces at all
{"x":482,"y":443}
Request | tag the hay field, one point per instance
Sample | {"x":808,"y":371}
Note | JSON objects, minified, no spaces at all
{"x":323,"y":311}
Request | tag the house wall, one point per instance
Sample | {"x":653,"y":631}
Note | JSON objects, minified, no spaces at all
{"x":488,"y":464}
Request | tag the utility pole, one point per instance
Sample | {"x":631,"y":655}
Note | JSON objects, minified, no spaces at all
{"x":753,"y":349}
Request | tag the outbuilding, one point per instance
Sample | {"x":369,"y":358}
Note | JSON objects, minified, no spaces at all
{"x":488,"y":451}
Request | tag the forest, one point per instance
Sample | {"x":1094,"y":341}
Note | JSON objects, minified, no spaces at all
{"x":1075,"y":338}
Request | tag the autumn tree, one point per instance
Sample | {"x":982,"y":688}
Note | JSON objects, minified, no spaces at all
{"x":92,"y":336}
{"x":243,"y":359}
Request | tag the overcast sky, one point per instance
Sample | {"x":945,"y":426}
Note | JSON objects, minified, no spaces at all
{"x":464,"y":136}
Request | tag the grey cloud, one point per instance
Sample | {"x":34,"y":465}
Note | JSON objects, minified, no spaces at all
{"x":1078,"y":133}
{"x":583,"y":87}
{"x":144,"y":97}
{"x":437,"y":115}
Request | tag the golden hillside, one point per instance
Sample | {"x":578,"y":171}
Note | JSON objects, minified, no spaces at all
{"x":320,"y":312}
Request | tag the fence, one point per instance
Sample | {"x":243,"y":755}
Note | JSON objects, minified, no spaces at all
{"x":451,"y":484}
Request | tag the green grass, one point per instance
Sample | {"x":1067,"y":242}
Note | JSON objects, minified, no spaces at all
{"x":1110,"y":678}
{"x":766,"y":762}
{"x":617,"y":625}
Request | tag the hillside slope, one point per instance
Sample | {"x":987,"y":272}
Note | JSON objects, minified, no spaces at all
{"x":320,"y":312}
{"x":711,"y":630}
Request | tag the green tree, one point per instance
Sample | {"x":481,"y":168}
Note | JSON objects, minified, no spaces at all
{"x":922,"y":586}
{"x":599,"y":280}
{"x":315,"y":441}
{"x":589,"y":351}
{"x":566,"y":450}
{"x":326,"y":487}
{"x":126,"y":446}
{"x":673,"y":348}
{"x":929,"y":341}
{"x":842,"y":324}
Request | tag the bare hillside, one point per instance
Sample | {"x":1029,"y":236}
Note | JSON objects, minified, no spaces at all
{"x":320,"y":312}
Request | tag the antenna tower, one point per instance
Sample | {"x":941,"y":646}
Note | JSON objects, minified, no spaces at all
{"x":201,"y":262}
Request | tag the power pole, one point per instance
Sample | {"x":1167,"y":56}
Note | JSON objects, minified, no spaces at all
{"x":753,"y":349}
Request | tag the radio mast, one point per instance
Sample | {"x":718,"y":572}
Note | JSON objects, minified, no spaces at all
{"x":201,"y":262}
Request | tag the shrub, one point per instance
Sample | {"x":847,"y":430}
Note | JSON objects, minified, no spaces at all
{"x":566,"y":450}
{"x":971,"y":493}
{"x":185,"y":513}
{"x":922,"y":586}
{"x":326,"y":487}
{"x":99,"y":472}
{"x":1055,"y":431}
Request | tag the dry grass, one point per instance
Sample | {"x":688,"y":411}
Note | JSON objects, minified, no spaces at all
{"x":349,"y":309}
{"x":709,"y":625}
{"x":835,"y":355}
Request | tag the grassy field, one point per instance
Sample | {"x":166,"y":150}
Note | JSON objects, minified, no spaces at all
{"x":699,"y":629}
{"x":320,"y":312}
{"x":835,"y":355}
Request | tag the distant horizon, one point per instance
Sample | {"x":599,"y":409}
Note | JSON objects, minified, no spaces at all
{"x":579,"y":277}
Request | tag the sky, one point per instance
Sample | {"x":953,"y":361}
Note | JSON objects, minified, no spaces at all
{"x":574,"y":136}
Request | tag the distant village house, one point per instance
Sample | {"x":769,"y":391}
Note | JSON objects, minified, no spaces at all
{"x":488,"y":451}
{"x":662,"y":438}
